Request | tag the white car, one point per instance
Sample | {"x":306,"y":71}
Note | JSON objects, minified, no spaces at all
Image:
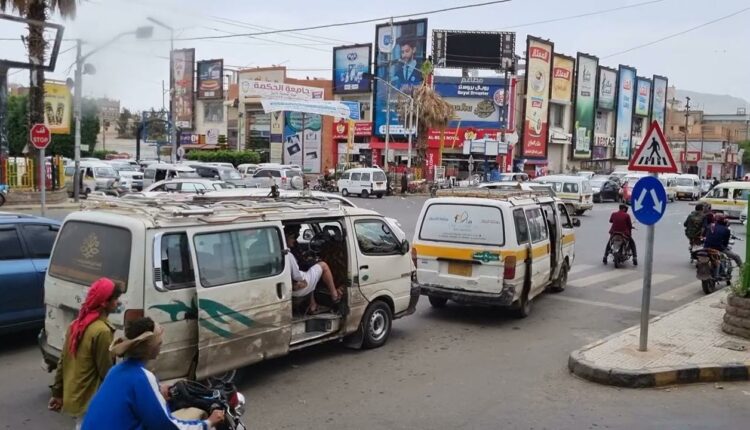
{"x":183,"y":186}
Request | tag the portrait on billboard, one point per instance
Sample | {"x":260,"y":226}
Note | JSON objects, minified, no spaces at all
{"x":350,"y":63}
{"x":401,"y":50}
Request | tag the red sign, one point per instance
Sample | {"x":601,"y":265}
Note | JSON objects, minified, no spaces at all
{"x":454,"y":138}
{"x":561,"y":73}
{"x":341,"y":129}
{"x":539,"y":53}
{"x":653,"y":155}
{"x":40,"y":136}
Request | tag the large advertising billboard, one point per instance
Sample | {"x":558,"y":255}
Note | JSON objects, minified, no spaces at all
{"x":536,"y":107}
{"x":211,"y":79}
{"x":642,"y":96}
{"x":400,"y":51}
{"x":306,"y":152}
{"x":492,"y":50}
{"x":624,"y":121}
{"x":477,"y":102}
{"x":659,"y":100}
{"x":585,"y":112}
{"x":350,"y":63}
{"x":57,"y":106}
{"x":562,"y":77}
{"x":182,"y":71}
{"x":607,"y":88}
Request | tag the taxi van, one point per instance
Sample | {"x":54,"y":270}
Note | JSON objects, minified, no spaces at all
{"x":575,"y":190}
{"x":493,"y":247}
{"x":730,"y":199}
{"x":215,"y":276}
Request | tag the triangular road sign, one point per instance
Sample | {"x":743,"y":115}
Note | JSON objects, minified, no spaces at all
{"x":653,"y":155}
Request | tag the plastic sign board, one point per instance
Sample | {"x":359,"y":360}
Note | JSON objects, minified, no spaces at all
{"x":40,"y":136}
{"x":649,"y":200}
{"x":653,"y":155}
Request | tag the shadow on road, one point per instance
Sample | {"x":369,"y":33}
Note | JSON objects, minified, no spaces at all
{"x":17,"y":341}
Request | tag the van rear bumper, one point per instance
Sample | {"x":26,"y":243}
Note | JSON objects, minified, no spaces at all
{"x":413,"y":300}
{"x":50,"y":354}
{"x":504,"y":298}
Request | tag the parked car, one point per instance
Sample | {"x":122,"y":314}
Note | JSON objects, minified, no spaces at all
{"x":247,"y":170}
{"x":130,"y":177}
{"x":284,"y":176}
{"x":220,"y":172}
{"x":163,"y":171}
{"x":95,"y":176}
{"x":688,"y":187}
{"x":190,"y":185}
{"x":573,"y":190}
{"x":605,"y":188}
{"x":25,"y":245}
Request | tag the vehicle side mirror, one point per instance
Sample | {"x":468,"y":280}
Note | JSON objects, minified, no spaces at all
{"x":308,"y":235}
{"x":404,"y":248}
{"x":576,"y":222}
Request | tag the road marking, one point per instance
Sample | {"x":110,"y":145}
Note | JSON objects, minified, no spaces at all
{"x":580,"y":268}
{"x":601,"y":304}
{"x":637,"y":284}
{"x":599,"y":278}
{"x":681,"y":293}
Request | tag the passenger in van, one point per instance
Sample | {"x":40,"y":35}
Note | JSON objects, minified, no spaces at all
{"x":85,"y":358}
{"x":304,"y":282}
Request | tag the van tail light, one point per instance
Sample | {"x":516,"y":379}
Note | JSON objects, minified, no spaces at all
{"x":581,"y":199}
{"x":283,"y":180}
{"x":414,"y":256}
{"x":132,"y":315}
{"x":509,"y":271}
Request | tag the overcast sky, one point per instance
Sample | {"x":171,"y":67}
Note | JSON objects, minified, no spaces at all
{"x":712,"y":59}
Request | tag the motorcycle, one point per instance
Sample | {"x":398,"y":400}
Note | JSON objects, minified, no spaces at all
{"x":694,"y":244}
{"x":712,"y":267}
{"x":328,"y":186}
{"x":3,"y":194}
{"x":220,"y":395}
{"x":619,"y":246}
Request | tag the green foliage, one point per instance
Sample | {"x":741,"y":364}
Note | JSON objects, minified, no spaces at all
{"x":234,"y":157}
{"x":100,"y":154}
{"x":18,"y":124}
{"x":124,"y":130}
{"x":746,"y":155}
{"x":741,"y":287}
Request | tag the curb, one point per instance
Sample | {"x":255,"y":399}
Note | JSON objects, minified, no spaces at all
{"x":12,"y":207}
{"x":657,"y":376}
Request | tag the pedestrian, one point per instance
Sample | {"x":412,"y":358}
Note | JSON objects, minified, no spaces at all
{"x":130,"y":397}
{"x":404,"y":182}
{"x":85,"y":358}
{"x":715,"y":183}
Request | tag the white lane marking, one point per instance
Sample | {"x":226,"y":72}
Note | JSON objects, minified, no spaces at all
{"x":580,"y":268}
{"x":600,"y":304}
{"x":691,"y":289}
{"x":637,"y":285}
{"x":600,"y":278}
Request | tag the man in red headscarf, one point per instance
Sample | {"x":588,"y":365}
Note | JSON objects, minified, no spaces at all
{"x":85,"y":358}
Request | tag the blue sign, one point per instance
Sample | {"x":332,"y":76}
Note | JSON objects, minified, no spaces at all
{"x":350,"y":63}
{"x":649,"y":200}
{"x":477,"y":102}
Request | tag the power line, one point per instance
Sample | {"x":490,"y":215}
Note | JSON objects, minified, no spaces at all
{"x":583,"y":15}
{"x":345,"y":24}
{"x":679,"y":33}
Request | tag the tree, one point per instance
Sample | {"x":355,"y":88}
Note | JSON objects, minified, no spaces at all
{"x":124,"y":130}
{"x":434,"y":112}
{"x":18,"y":124}
{"x":37,"y":10}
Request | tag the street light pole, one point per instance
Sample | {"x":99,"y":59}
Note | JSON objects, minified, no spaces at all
{"x":173,"y":126}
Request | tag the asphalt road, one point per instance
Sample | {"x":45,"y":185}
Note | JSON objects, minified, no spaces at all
{"x":464,"y":367}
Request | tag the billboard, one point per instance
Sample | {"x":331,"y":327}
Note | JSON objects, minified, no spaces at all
{"x":349,"y":65}
{"x":562,"y":77}
{"x":306,"y":152}
{"x":659,"y":100}
{"x":211,"y":79}
{"x":607,"y":86}
{"x":585,"y":112}
{"x":643,"y":96}
{"x":536,"y":107}
{"x":250,"y":88}
{"x":493,"y":50}
{"x":477,"y":102}
{"x":182,"y":71}
{"x":624,"y":115}
{"x":57,"y":107}
{"x":401,"y":50}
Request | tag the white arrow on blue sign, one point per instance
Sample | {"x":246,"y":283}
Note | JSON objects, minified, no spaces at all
{"x":649,"y":200}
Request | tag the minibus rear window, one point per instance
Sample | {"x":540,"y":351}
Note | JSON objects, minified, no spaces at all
{"x":467,"y":224}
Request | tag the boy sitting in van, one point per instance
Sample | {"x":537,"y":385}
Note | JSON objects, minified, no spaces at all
{"x":304,"y":282}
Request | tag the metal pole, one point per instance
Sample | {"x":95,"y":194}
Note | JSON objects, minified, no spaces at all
{"x":646,"y":300}
{"x":388,"y":102}
{"x":173,"y":134}
{"x":77,"y":114}
{"x":506,"y":118}
{"x":411,"y":126}
{"x":42,"y":180}
{"x":303,"y":144}
{"x":4,"y":145}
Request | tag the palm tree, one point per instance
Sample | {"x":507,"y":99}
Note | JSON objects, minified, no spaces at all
{"x":37,"y":10}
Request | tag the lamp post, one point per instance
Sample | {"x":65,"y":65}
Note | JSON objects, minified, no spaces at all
{"x":81,"y":69}
{"x":173,"y":127}
{"x":411,"y":116}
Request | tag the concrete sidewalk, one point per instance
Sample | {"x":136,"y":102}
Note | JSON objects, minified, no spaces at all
{"x":685,"y":345}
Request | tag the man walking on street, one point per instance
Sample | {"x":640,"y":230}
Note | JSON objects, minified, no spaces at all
{"x":85,"y":358}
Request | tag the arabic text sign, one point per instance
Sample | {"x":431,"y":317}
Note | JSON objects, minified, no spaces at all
{"x":278,"y":91}
{"x":348,"y":110}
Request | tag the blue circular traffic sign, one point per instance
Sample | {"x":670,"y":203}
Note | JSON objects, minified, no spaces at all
{"x":648,"y":200}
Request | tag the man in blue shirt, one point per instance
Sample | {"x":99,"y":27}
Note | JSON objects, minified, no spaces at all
{"x":718,"y":236}
{"x":130,"y":398}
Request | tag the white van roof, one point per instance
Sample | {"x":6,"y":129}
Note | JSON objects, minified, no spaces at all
{"x":561,"y":178}
{"x":167,"y":166}
{"x":364,"y":169}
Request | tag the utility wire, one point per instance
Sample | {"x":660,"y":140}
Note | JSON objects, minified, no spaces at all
{"x":679,"y":33}
{"x":582,"y":15}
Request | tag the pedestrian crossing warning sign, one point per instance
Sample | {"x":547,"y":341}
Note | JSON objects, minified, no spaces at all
{"x":653,"y":154}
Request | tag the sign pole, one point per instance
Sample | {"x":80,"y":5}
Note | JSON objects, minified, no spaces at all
{"x":646,"y":299}
{"x":42,"y":180}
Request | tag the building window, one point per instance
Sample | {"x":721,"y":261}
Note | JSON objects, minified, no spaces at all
{"x":557,"y":115}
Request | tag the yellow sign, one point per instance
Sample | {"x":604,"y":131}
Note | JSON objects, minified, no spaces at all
{"x":57,"y":107}
{"x":562,"y":78}
{"x":350,"y":137}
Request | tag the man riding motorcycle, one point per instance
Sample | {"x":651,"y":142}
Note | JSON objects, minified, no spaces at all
{"x":623,"y":225}
{"x":694,"y":225}
{"x":718,"y":236}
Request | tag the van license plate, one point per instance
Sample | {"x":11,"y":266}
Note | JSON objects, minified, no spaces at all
{"x":460,"y":269}
{"x":378,"y":183}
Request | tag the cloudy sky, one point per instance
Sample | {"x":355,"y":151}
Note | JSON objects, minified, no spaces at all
{"x":711,"y":58}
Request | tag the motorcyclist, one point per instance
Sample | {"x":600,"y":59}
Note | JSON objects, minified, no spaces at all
{"x":623,"y":225}
{"x":718,"y":236}
{"x":694,"y":225}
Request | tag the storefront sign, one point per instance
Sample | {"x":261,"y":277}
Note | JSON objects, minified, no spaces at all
{"x":335,"y":108}
{"x":454,"y":138}
{"x":600,"y":153}
{"x":361,"y":128}
{"x":278,"y":91}
{"x":603,"y":140}
{"x":477,"y":102}
{"x":538,"y":70}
